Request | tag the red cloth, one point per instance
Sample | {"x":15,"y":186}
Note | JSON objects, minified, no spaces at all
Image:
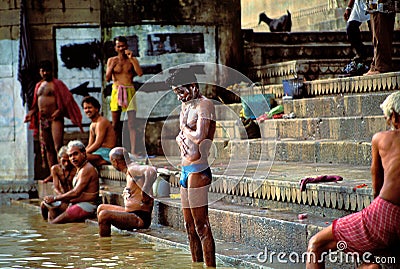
{"x":65,"y":102}
{"x":375,"y":229}
{"x":319,"y":179}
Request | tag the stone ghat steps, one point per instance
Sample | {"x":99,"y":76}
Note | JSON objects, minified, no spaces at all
{"x":308,"y":151}
{"x":270,"y":184}
{"x":342,"y":105}
{"x":357,"y":128}
{"x":304,"y":37}
{"x":241,"y":232}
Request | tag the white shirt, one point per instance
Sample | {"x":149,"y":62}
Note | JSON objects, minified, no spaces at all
{"x":358,"y":11}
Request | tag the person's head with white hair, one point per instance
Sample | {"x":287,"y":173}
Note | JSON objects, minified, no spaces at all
{"x":391,"y":109}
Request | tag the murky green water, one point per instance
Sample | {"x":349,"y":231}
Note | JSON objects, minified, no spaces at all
{"x":27,"y":241}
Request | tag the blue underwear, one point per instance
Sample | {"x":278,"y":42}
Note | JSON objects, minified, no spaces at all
{"x":194,"y":168}
{"x":104,"y":153}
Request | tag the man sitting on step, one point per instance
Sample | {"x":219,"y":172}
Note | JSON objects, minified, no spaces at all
{"x":374,"y":231}
{"x":138,"y":203}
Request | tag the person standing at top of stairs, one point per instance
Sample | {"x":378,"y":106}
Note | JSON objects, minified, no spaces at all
{"x":383,"y":16}
{"x":355,"y":14}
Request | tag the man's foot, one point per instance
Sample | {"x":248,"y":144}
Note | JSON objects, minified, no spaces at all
{"x":372,"y":72}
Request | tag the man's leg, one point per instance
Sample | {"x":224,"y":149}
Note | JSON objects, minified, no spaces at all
{"x":116,"y":215}
{"x":44,"y":211}
{"x":198,"y":184}
{"x":116,"y":123}
{"x":132,"y":131}
{"x":57,"y":131}
{"x":96,"y":160}
{"x":354,"y":37}
{"x":319,"y":244}
{"x":194,"y":239}
{"x":51,"y":153}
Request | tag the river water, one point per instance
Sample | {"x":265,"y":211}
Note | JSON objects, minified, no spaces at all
{"x":27,"y":241}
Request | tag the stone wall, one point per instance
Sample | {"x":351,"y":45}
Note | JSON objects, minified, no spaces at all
{"x":16,"y":171}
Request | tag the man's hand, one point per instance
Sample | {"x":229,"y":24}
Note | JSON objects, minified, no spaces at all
{"x":346,"y":14}
{"x":181,"y":140}
{"x":129,"y":53}
{"x":184,"y":118}
{"x":56,"y":114}
{"x":49,"y":199}
{"x":28,"y":116}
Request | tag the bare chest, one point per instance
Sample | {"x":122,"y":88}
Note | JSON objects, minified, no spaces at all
{"x":46,"y":89}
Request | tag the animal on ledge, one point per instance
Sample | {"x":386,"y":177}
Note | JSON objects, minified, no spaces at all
{"x":282,"y":24}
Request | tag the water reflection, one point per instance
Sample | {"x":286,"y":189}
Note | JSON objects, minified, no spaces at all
{"x":26,"y":241}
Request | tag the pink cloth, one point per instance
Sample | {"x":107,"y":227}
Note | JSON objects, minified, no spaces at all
{"x":123,"y":96}
{"x":319,"y":179}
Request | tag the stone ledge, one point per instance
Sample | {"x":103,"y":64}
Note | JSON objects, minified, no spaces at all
{"x":359,"y":84}
{"x":280,"y":188}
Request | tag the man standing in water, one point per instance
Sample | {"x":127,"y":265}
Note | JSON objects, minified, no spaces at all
{"x":376,"y":229}
{"x":197,"y":128}
{"x":82,"y":199}
{"x":121,"y":69}
{"x":138,"y":203}
{"x":52,"y":102}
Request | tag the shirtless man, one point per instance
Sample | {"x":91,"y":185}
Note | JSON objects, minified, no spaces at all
{"x":62,"y":175}
{"x":375,"y":229}
{"x":121,"y":69}
{"x":82,"y":199}
{"x":101,"y":133}
{"x":197,"y":128}
{"x":138,"y":203}
{"x":51,"y":103}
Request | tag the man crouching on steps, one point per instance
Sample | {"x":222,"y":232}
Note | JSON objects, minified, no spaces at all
{"x":138,"y":203}
{"x":83,"y":197}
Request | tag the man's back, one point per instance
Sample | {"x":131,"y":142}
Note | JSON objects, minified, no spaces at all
{"x":103,"y":130}
{"x":387,"y":143}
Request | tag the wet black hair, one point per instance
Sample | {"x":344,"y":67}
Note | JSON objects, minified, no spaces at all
{"x":91,"y":100}
{"x":120,"y":38}
{"x":46,"y":65}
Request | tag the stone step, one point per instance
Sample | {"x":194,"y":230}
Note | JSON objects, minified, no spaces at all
{"x":255,"y":229}
{"x":271,"y":184}
{"x":347,"y":105}
{"x":304,"y":37}
{"x":311,"y":69}
{"x":357,"y":128}
{"x":321,"y":151}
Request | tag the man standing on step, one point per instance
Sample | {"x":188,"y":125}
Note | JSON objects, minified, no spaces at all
{"x":197,"y":128}
{"x":138,"y":203}
{"x":121,"y":69}
{"x":376,"y":229}
{"x":382,"y":24}
{"x":52,"y":102}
